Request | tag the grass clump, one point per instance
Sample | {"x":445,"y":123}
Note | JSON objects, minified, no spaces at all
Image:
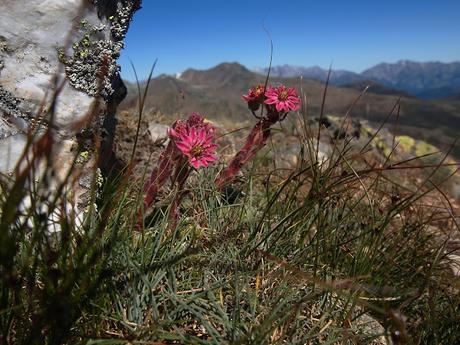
{"x":328,"y":251}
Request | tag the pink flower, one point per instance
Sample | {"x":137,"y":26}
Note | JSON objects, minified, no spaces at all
{"x":197,"y":144}
{"x":176,"y":129}
{"x":255,"y":97}
{"x":195,"y":120}
{"x":255,"y":93}
{"x":284,"y":99}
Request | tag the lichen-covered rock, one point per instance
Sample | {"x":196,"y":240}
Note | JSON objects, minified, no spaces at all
{"x":58,"y":63}
{"x":31,"y":33}
{"x":405,"y":142}
{"x":44,"y":43}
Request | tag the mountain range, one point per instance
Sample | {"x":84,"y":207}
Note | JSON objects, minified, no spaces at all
{"x":426,"y":80}
{"x":216,"y":93}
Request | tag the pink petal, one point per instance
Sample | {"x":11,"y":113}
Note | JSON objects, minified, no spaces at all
{"x":195,"y":164}
{"x":183,"y":146}
{"x":211,"y":158}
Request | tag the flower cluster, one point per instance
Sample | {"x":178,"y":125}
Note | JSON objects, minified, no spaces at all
{"x":195,"y":139}
{"x":191,"y":146}
{"x":278,"y":101}
{"x":255,"y":97}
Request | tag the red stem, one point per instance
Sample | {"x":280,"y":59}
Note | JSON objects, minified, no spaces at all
{"x":256,"y":140}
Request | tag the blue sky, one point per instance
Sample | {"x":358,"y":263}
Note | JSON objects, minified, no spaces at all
{"x":353,"y":35}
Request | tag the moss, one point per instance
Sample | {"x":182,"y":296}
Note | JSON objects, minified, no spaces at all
{"x":406,"y":143}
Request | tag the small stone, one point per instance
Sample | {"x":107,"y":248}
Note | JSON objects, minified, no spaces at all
{"x":158,"y":132}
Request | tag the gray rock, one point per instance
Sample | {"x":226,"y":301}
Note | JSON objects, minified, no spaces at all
{"x":62,"y":55}
{"x":31,"y":33}
{"x":372,"y":327}
{"x":44,"y":43}
{"x":11,"y":150}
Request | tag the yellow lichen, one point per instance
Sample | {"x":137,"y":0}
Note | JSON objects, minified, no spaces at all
{"x":83,"y":157}
{"x":61,"y":56}
{"x":365,"y":131}
{"x":405,"y":143}
{"x":382,"y":146}
{"x":335,"y":118}
{"x":3,"y":46}
{"x":423,"y":148}
{"x":99,"y":178}
{"x":84,"y":53}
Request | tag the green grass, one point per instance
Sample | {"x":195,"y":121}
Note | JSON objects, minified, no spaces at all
{"x":323,"y":253}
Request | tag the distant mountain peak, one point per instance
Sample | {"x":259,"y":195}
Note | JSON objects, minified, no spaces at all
{"x":231,"y":65}
{"x":222,"y":67}
{"x":337,"y":77}
{"x":222,"y":73}
{"x":429,"y":80}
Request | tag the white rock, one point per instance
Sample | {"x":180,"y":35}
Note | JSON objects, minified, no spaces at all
{"x":158,"y":132}
{"x":70,"y":41}
{"x":32,"y":32}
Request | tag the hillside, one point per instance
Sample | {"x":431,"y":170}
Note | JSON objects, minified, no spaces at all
{"x":377,"y":88}
{"x":217,"y":93}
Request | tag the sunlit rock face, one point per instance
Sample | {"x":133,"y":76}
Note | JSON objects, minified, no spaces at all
{"x":59,"y":42}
